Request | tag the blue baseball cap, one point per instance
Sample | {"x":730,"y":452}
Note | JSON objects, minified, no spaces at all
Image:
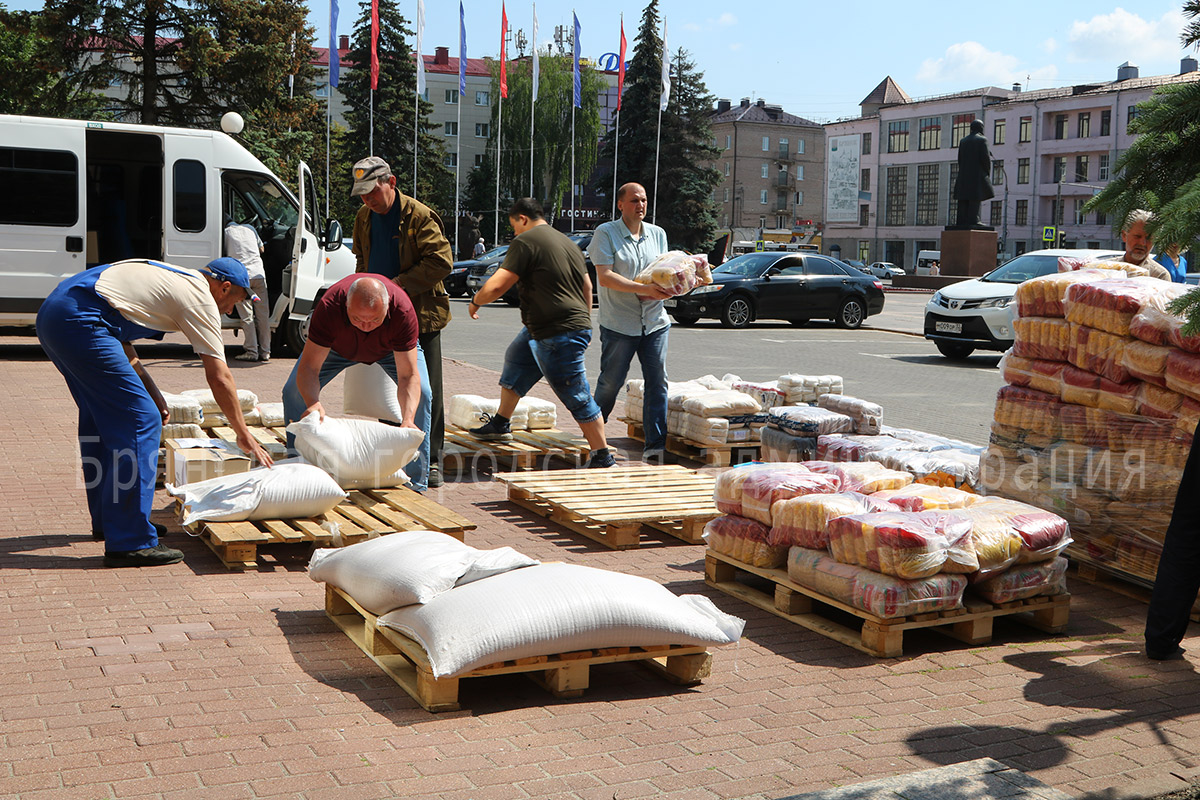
{"x":232,"y":270}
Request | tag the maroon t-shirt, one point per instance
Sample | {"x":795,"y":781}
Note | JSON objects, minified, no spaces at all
{"x":330,"y":326}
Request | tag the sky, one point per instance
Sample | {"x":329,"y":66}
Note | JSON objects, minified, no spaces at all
{"x":818,"y":60}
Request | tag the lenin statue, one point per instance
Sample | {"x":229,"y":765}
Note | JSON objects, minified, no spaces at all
{"x":974,"y":184}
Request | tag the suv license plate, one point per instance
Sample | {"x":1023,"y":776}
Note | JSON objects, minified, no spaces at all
{"x":947,"y":327}
{"x":669,"y":302}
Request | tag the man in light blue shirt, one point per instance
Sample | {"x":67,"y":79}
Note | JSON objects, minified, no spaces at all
{"x":633,"y":320}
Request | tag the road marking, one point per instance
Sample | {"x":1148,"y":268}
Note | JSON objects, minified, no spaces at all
{"x":821,"y":341}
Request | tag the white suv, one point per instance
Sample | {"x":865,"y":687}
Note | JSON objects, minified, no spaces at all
{"x":977,"y":314}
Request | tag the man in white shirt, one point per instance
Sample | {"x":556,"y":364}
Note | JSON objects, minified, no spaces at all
{"x":243,"y":243}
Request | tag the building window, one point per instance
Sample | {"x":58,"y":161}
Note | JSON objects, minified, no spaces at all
{"x":726,"y":169}
{"x":451,"y":128}
{"x":962,"y":127}
{"x":930,"y":136}
{"x":951,"y":203}
{"x":998,"y":172}
{"x":483,"y":98}
{"x":1078,"y":207}
{"x":864,"y":215}
{"x":1101,"y":218}
{"x":452,"y":96}
{"x":898,"y":137}
{"x":866,"y":144}
{"x":1019,"y":248}
{"x":897,"y":190}
{"x":864,"y":250}
{"x":1130,"y":117}
{"x":1025,"y":132}
{"x":1060,"y":168}
{"x":800,"y":146}
{"x":799,"y":172}
{"x":1060,"y":126}
{"x":927,"y":194}
{"x":799,"y":198}
{"x":1084,"y":129}
{"x":864,"y":181}
{"x":725,"y":195}
{"x":479,"y":159}
{"x":997,"y":214}
{"x":762,"y":196}
{"x":762,"y":222}
{"x":1081,"y":169}
{"x":766,"y":143}
{"x":451,"y":160}
{"x":765,"y":169}
{"x":1102,"y":168}
{"x":1022,"y":212}
{"x":728,"y":141}
{"x":998,"y":131}
{"x":784,"y":147}
{"x":481,"y":129}
{"x":1022,"y":170}
{"x":1106,"y":122}
{"x":724,"y":220}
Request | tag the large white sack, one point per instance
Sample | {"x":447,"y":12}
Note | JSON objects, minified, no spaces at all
{"x":407,"y":567}
{"x":556,"y":608}
{"x":208,"y":404}
{"x":362,"y":452}
{"x":289,"y":490}
{"x":540,"y":414}
{"x":369,"y":391}
{"x":271,"y":414}
{"x":183,"y":409}
{"x":470,"y":411}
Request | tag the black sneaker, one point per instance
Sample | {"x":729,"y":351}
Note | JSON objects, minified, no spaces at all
{"x":159,"y":531}
{"x":494,"y":429}
{"x":601,"y":459}
{"x":1157,"y":654}
{"x":146,"y":557}
{"x":435,"y":476}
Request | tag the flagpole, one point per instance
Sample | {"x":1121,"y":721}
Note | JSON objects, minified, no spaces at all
{"x":657,"y":141}
{"x":499,"y":134}
{"x":371,"y":137}
{"x":457,"y":173}
{"x":328,"y":122}
{"x":416,"y":123}
{"x":333,"y":59}
{"x":533,"y":96}
{"x":572,"y":167}
{"x":420,"y":88}
{"x":616,"y":150}
{"x":662,"y":104}
{"x":531,"y":104}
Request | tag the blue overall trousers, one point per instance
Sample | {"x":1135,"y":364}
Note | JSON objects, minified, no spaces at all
{"x":120,"y":427}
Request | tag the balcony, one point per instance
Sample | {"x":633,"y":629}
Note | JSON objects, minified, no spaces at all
{"x":783,"y":180}
{"x":784,"y":154}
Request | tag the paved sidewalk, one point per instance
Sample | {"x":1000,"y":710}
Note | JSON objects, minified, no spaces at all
{"x":188,"y":681}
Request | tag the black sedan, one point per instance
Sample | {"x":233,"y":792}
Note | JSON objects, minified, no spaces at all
{"x":796,"y":287}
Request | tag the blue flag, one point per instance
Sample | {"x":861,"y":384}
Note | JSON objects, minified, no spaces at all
{"x":462,"y":52}
{"x":335,"y":62}
{"x":578,"y":88}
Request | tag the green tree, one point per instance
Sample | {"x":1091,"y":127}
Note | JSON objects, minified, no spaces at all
{"x":41,"y":77}
{"x":479,"y":200}
{"x":394,"y":114}
{"x":683,"y":200}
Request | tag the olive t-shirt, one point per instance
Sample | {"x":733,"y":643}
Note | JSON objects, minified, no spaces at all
{"x":551,"y":273}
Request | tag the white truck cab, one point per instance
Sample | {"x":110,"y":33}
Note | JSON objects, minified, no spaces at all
{"x":75,"y":194}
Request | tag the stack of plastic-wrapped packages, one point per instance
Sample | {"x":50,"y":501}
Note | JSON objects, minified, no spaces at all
{"x":193,"y":413}
{"x":1096,"y":421}
{"x":868,"y":536}
{"x":706,"y":411}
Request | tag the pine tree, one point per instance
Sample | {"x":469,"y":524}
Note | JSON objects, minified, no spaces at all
{"x":394,"y":113}
{"x":41,"y":77}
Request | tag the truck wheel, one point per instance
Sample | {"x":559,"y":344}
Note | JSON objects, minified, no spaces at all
{"x":295,"y":334}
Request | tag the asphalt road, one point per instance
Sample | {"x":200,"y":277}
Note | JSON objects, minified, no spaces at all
{"x":887,"y":361}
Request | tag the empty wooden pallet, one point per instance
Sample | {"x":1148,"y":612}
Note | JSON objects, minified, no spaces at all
{"x":611,"y":505}
{"x":563,"y":674}
{"x":465,"y":455}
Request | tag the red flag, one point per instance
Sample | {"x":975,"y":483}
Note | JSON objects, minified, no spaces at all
{"x":503,"y":65}
{"x":621,"y":67}
{"x":374,"y":44}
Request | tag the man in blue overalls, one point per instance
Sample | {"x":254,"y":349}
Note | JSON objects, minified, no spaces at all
{"x":86,"y":326}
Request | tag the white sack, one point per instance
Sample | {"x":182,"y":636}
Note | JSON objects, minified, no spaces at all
{"x":182,"y":431}
{"x":208,"y":404}
{"x":407,"y":567}
{"x":288,"y":490}
{"x":271,"y":414}
{"x":361,"y":451}
{"x":470,"y":411}
{"x":183,"y":409}
{"x":723,"y":403}
{"x":219,"y":420}
{"x":369,"y":391}
{"x":556,"y":608}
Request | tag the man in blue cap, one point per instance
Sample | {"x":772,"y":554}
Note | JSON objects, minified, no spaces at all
{"x":86,"y":326}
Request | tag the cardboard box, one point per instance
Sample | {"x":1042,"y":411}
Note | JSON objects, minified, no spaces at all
{"x":188,"y":464}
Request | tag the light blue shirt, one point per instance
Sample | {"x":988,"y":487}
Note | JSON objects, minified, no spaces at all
{"x":613,"y":244}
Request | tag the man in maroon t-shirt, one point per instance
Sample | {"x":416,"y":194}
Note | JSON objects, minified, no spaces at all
{"x":364,"y":320}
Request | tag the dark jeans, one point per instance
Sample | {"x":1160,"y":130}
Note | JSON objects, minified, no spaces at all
{"x":1178,"y":578}
{"x":431,"y":343}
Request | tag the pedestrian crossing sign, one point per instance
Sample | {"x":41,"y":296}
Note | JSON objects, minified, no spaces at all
{"x":1048,"y":233}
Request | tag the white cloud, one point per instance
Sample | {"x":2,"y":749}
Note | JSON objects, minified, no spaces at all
{"x":970,"y":64}
{"x":735,"y":46}
{"x":727,"y":20}
{"x":692,"y":27}
{"x":1124,"y":36}
{"x":1050,"y":45}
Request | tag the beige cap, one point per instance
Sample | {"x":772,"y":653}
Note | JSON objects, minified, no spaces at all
{"x":367,"y":173}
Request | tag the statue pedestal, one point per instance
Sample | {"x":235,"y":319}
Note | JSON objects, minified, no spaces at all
{"x":968,"y":252}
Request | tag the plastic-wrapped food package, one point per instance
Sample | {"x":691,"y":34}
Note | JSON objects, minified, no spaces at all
{"x":922,"y":497}
{"x":1024,"y":581}
{"x":1099,"y":352}
{"x":721,"y":404}
{"x":1084,"y":388}
{"x":780,"y":445}
{"x":746,"y":540}
{"x":768,"y":394}
{"x":1182,"y":373}
{"x":938,"y":468}
{"x":862,"y":476}
{"x":809,"y":420}
{"x":1028,"y":409}
{"x":926,"y":442}
{"x":804,"y":521}
{"x":1045,"y":376}
{"x":1158,"y":402}
{"x":247,"y":400}
{"x":1045,"y":338}
{"x":1070,"y":263}
{"x":867,"y":416}
{"x":746,"y":428}
{"x":728,"y":487}
{"x":677,"y":272}
{"x":1153,"y":324}
{"x":1043,"y":297}
{"x":762,"y":490}
{"x":851,"y":447}
{"x":714,"y":383}
{"x":807,"y":388}
{"x":1146,"y":362}
{"x":184,"y":409}
{"x":216,"y":419}
{"x":881,"y":595}
{"x":182,"y":430}
{"x":705,"y":430}
{"x":1112,"y":304}
{"x":908,"y":545}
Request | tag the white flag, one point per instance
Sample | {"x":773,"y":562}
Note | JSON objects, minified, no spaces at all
{"x":420,"y":39}
{"x":535,"y":53}
{"x":666,"y":73}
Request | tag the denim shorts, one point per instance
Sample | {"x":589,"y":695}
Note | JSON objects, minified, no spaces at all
{"x":558,"y":359}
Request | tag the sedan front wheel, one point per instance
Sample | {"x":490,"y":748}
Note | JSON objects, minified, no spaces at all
{"x":737,"y":313}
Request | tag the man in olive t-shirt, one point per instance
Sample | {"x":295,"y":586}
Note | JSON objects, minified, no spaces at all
{"x":555,"y":293}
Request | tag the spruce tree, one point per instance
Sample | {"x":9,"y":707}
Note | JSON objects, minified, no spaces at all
{"x":42,"y":76}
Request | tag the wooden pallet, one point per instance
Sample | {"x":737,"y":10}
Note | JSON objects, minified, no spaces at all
{"x":364,"y":513}
{"x":882,"y":638}
{"x":563,"y":674}
{"x":465,"y":455}
{"x":611,"y":505}
{"x":710,"y":455}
